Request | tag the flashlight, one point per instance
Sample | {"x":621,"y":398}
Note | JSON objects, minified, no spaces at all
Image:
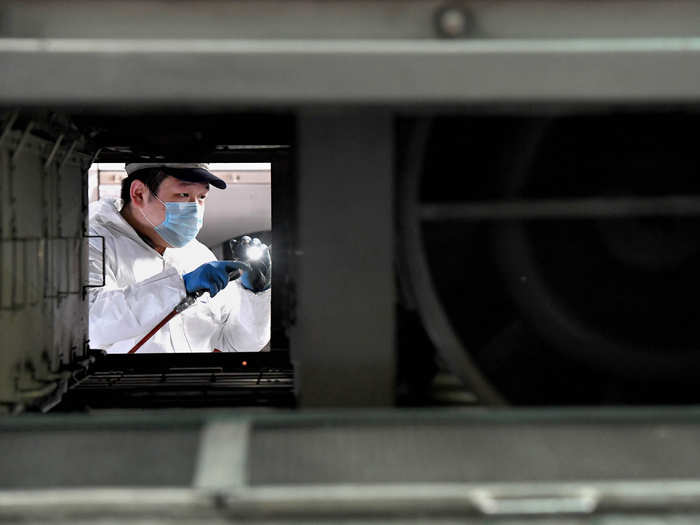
{"x":253,"y":253}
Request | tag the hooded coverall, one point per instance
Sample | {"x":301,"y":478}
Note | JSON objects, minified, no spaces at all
{"x":142,"y":287}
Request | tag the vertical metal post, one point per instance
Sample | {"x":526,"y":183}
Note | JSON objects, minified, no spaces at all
{"x":4,"y":168}
{"x":16,"y":264}
{"x":59,"y":200}
{"x":47,"y":213}
{"x":283,"y":231}
{"x":85,"y":185}
{"x":343,"y":341}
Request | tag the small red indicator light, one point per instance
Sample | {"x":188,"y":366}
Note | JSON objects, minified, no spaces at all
{"x":244,"y":363}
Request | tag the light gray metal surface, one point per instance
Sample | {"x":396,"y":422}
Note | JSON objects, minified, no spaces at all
{"x":223,"y":455}
{"x":560,"y":504}
{"x":343,"y":343}
{"x":43,"y":266}
{"x":278,"y":73}
{"x":362,"y":19}
{"x":484,"y":453}
{"x":156,"y":457}
{"x":665,"y":490}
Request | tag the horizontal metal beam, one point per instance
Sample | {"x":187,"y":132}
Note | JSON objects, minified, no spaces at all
{"x":672,"y":205}
{"x":674,"y":498}
{"x":373,"y":19}
{"x":313,"y":72}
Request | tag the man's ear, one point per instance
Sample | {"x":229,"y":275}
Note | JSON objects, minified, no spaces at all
{"x":137,"y":192}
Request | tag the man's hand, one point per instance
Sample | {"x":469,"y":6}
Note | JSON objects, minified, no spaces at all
{"x":213,"y":276}
{"x":257,"y":256}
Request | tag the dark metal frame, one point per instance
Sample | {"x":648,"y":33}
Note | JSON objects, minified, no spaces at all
{"x":159,"y":366}
{"x":194,"y":380}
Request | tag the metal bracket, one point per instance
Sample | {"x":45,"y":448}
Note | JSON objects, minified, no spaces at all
{"x":22,"y":141}
{"x":8,"y":127}
{"x":54,"y":150}
{"x":93,"y":159}
{"x":69,"y":152}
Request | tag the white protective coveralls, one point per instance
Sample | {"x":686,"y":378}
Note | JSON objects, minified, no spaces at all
{"x":142,"y":287}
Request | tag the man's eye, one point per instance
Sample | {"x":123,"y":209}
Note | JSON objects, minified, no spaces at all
{"x":184,"y":195}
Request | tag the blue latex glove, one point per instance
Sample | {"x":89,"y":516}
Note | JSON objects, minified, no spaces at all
{"x":212,"y":277}
{"x":257,"y":255}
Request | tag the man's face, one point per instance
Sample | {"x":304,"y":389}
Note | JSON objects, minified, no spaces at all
{"x":174,"y":190}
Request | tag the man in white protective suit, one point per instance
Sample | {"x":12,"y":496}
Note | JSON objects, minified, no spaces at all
{"x":152,"y":260}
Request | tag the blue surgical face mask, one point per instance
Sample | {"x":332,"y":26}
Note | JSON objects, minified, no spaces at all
{"x":182,"y":223}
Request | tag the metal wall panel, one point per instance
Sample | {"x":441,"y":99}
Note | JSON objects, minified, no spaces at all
{"x":43,"y":266}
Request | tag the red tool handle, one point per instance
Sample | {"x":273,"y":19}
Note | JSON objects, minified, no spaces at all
{"x":189,"y":301}
{"x":155,"y":329}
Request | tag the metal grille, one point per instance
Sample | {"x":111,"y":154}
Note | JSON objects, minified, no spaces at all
{"x":199,"y":387}
{"x":202,"y":380}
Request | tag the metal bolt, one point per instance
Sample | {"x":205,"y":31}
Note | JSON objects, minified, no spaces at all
{"x":453,"y":21}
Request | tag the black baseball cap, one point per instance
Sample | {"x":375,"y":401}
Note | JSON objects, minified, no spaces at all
{"x":189,"y":172}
